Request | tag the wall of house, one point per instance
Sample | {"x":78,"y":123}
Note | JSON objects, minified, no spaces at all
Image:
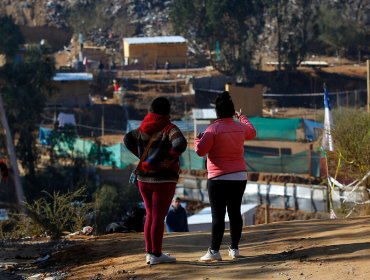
{"x":247,"y":98}
{"x":70,"y":93}
{"x":155,"y":55}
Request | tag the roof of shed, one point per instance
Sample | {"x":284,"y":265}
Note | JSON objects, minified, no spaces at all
{"x":73,"y":77}
{"x":157,"y":40}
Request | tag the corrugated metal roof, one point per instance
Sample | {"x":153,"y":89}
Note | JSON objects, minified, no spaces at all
{"x":204,"y":114}
{"x":73,"y":77}
{"x":158,"y":40}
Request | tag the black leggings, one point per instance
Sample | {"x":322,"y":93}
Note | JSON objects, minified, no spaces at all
{"x":226,"y":194}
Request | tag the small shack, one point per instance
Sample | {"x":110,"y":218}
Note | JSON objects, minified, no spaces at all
{"x":153,"y":52}
{"x":247,"y":97}
{"x":202,"y":221}
{"x":73,"y":89}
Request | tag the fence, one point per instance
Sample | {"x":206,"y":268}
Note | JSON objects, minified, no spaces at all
{"x":348,"y":98}
{"x":311,"y":198}
{"x":306,"y":162}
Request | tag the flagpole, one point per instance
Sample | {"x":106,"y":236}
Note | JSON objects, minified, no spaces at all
{"x":327,"y":144}
{"x":331,"y":211}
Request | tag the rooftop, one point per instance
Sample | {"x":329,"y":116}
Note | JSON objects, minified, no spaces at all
{"x":158,"y":40}
{"x":73,"y":77}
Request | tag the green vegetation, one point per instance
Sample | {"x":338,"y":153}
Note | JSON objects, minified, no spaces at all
{"x":112,"y":201}
{"x":10,"y":37}
{"x":236,"y":33}
{"x":24,"y":86}
{"x":351,"y":136}
{"x":60,"y":196}
{"x":58,"y":212}
{"x":228,"y":30}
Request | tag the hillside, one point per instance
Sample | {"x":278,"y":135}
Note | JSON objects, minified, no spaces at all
{"x":315,"y":249}
{"x":103,"y":23}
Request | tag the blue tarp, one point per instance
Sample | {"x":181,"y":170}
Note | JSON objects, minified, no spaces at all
{"x":312,"y":129}
{"x":44,"y":135}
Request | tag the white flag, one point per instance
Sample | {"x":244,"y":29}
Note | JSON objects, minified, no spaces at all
{"x":327,"y":140}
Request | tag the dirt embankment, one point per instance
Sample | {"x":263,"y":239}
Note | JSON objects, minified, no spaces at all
{"x":315,"y":249}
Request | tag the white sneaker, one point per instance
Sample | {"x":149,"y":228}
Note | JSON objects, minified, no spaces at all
{"x":211,"y":256}
{"x":164,"y":258}
{"x":147,"y":258}
{"x":234,"y":253}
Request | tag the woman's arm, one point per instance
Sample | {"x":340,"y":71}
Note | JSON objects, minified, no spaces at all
{"x":250,"y":132}
{"x":178,"y":142}
{"x":203,"y":143}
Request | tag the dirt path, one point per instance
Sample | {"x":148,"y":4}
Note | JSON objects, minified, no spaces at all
{"x":315,"y":249}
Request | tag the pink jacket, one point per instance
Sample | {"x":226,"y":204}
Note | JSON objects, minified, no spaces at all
{"x":223,"y":141}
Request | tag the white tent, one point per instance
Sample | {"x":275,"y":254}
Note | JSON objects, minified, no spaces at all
{"x":202,"y":221}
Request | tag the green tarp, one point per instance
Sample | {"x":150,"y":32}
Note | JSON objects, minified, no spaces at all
{"x":275,"y":128}
{"x":119,"y":156}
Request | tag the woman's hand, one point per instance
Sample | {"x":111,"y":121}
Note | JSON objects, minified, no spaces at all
{"x":238,"y":114}
{"x":200,"y":135}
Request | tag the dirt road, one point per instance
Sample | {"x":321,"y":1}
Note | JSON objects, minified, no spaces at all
{"x":315,"y":249}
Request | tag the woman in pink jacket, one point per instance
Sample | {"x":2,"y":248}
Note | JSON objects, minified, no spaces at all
{"x":223,"y":143}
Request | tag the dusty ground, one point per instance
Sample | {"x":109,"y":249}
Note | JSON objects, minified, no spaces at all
{"x":315,"y":249}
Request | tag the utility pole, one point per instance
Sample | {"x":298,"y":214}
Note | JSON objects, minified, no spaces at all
{"x":368,"y":86}
{"x":12,"y":156}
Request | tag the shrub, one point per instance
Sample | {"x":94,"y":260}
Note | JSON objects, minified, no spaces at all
{"x":58,"y":212}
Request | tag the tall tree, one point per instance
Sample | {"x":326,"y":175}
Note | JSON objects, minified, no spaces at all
{"x":227,"y":28}
{"x":10,"y":37}
{"x":343,"y":28}
{"x":24,"y":86}
{"x":294,"y":28}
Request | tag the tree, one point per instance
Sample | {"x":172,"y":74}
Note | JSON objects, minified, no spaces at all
{"x":343,"y":26}
{"x":25,"y":86}
{"x":227,"y":28}
{"x":10,"y":37}
{"x":293,"y":29}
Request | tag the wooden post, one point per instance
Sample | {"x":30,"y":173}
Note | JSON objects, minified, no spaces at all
{"x":12,"y":156}
{"x":368,"y":86}
{"x":310,"y":159}
{"x":338,"y":105}
{"x":267,"y":213}
{"x":139,"y":81}
{"x":102,"y":121}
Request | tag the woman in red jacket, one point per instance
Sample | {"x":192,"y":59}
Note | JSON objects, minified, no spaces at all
{"x":223,"y":143}
{"x":158,"y":173}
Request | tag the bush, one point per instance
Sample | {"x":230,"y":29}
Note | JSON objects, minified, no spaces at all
{"x":112,"y":202}
{"x":351,"y":135}
{"x":57,"y":212}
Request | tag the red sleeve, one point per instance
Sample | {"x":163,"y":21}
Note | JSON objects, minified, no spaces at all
{"x":250,"y":132}
{"x":203,"y":145}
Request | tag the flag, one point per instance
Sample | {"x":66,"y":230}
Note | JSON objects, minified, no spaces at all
{"x":327,"y":140}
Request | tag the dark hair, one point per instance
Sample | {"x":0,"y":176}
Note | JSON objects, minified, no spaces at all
{"x":224,"y":105}
{"x":160,"y":106}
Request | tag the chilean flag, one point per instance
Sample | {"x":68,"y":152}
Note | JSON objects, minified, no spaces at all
{"x":327,"y":140}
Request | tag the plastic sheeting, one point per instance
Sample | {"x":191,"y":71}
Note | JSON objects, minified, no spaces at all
{"x":276,"y":129}
{"x":184,"y":126}
{"x":44,"y":135}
